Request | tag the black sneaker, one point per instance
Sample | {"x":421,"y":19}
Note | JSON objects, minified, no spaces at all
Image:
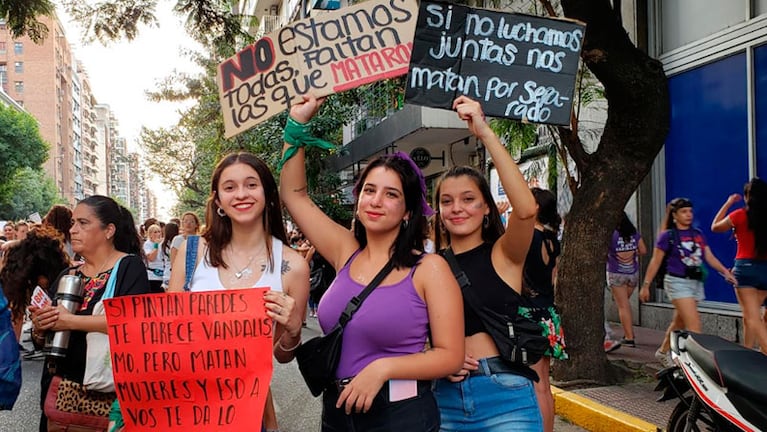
{"x":628,"y":343}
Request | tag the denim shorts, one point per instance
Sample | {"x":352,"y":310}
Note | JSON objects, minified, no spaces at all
{"x":622,"y":279}
{"x":489,"y":403}
{"x":678,"y":288}
{"x":751,"y":273}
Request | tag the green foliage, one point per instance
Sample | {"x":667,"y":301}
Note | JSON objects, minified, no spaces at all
{"x":21,"y":17}
{"x":20,"y":142}
{"x":26,"y":192}
{"x":515,"y":135}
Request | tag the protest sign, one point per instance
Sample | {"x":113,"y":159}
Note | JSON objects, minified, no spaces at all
{"x":337,"y":51}
{"x":189,"y":362}
{"x":518,"y":66}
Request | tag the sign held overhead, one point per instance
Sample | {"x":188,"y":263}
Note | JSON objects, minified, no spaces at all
{"x":518,"y":66}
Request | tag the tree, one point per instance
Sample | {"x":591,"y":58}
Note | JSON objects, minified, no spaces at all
{"x":28,"y":191}
{"x":638,"y":120}
{"x":20,"y":142}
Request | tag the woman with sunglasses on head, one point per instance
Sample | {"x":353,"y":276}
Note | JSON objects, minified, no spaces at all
{"x":500,"y":394}
{"x":686,"y":248}
{"x":386,"y":368}
{"x":750,"y":226}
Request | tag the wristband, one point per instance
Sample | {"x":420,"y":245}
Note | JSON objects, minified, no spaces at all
{"x":645,"y":283}
{"x":279,"y":344}
{"x":297,"y":135}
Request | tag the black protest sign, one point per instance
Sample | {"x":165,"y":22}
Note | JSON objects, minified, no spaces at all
{"x":518,"y":66}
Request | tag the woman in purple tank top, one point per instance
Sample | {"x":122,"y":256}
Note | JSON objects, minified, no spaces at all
{"x":386,"y":368}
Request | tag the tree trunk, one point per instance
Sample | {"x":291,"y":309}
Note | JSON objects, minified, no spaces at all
{"x":638,"y":119}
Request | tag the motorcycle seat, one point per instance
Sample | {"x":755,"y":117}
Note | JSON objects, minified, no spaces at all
{"x":730,"y":365}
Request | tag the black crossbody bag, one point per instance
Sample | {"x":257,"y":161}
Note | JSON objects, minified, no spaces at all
{"x":318,"y":357}
{"x":519,"y":340}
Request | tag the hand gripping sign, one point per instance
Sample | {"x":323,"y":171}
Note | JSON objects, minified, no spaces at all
{"x":327,"y":54}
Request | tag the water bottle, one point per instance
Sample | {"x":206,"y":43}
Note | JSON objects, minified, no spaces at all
{"x":69,"y":294}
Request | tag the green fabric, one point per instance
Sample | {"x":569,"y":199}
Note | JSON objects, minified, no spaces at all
{"x":297,"y":135}
{"x":116,"y":416}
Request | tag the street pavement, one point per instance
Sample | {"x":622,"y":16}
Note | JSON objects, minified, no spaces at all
{"x":297,"y":410}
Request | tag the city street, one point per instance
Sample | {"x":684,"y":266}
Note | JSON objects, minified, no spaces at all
{"x":297,"y":410}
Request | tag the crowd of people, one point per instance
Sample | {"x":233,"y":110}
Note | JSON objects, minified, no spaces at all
{"x":452,"y":269}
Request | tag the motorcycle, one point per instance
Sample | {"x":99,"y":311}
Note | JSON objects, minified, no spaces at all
{"x":721,"y":386}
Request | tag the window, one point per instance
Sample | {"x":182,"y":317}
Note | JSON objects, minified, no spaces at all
{"x":18,"y":67}
{"x":19,"y":86}
{"x":18,"y":48}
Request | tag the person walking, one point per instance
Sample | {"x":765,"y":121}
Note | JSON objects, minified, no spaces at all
{"x":154,"y":258}
{"x":190,"y":225}
{"x":750,"y":226}
{"x":626,"y":246}
{"x":384,"y":376}
{"x":686,"y":249}
{"x":487,"y":394}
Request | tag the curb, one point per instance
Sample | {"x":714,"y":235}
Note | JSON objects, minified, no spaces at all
{"x":595,"y":417}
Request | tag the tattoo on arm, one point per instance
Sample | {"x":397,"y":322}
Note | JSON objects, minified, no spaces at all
{"x":285,"y":266}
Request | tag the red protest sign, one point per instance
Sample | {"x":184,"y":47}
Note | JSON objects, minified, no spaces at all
{"x":327,"y":54}
{"x":191,"y":361}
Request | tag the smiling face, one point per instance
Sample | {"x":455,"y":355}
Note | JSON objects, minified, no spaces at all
{"x":461,"y":206}
{"x":381,"y":202}
{"x":9,"y":232}
{"x":88,"y":232}
{"x":240,"y":193}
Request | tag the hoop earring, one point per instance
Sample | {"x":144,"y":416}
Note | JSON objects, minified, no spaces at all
{"x":405,"y":223}
{"x":485,"y":221}
{"x":220,"y":212}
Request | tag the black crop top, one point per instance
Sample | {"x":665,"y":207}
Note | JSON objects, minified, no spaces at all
{"x":488,"y":287}
{"x":491,"y":292}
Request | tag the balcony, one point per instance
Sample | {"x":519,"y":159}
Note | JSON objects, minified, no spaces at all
{"x":268,"y":24}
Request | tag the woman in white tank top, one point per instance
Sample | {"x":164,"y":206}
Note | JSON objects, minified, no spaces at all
{"x":242,"y":247}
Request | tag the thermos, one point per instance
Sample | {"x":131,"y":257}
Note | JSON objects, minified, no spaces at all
{"x":69,"y":294}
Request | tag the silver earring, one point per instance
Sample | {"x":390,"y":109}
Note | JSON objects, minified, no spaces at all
{"x":485,"y":222}
{"x":221,"y":212}
{"x":405,"y":223}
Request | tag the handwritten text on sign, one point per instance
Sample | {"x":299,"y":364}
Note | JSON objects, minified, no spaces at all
{"x":191,"y":361}
{"x":519,"y":66}
{"x":334,"y":52}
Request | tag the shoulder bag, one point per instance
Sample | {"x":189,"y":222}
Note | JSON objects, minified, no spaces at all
{"x":518,"y":339}
{"x":98,"y":363}
{"x":318,"y":358}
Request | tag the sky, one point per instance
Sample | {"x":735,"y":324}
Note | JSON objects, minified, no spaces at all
{"x":123,"y":71}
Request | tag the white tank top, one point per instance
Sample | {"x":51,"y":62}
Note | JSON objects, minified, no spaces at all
{"x":206,"y":278}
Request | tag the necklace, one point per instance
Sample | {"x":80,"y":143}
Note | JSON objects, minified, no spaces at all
{"x":245,"y":271}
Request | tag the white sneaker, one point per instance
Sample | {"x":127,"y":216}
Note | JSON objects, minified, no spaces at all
{"x":664,"y":358}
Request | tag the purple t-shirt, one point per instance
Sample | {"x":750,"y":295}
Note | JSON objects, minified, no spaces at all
{"x":623,"y":257}
{"x":685,"y":249}
{"x":393,"y":321}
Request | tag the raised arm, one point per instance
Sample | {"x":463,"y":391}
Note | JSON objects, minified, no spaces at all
{"x":333,"y":241}
{"x":519,"y":227}
{"x":721,"y":222}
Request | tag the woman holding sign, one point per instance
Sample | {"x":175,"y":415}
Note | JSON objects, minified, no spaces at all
{"x":103,"y":233}
{"x":385,"y":371}
{"x":500,"y":392}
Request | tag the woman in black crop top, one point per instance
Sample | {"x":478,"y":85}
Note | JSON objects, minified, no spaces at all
{"x":468,"y":221}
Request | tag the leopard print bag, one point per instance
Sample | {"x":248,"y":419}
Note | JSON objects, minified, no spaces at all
{"x":71,"y":408}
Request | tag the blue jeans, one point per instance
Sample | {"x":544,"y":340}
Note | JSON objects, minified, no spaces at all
{"x":417,"y":414}
{"x":489,"y":403}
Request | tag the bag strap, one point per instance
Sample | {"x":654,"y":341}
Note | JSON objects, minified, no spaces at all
{"x":109,"y":292}
{"x":463,"y":280}
{"x":191,"y":259}
{"x":357,"y":300}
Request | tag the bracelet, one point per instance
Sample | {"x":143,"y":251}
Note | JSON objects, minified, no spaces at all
{"x":279,"y":344}
{"x":646,"y":283}
{"x":297,"y":135}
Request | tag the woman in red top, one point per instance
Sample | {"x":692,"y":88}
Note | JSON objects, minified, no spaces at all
{"x":750,"y":225}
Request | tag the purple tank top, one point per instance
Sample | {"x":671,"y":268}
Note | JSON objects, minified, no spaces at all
{"x":393,"y":320}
